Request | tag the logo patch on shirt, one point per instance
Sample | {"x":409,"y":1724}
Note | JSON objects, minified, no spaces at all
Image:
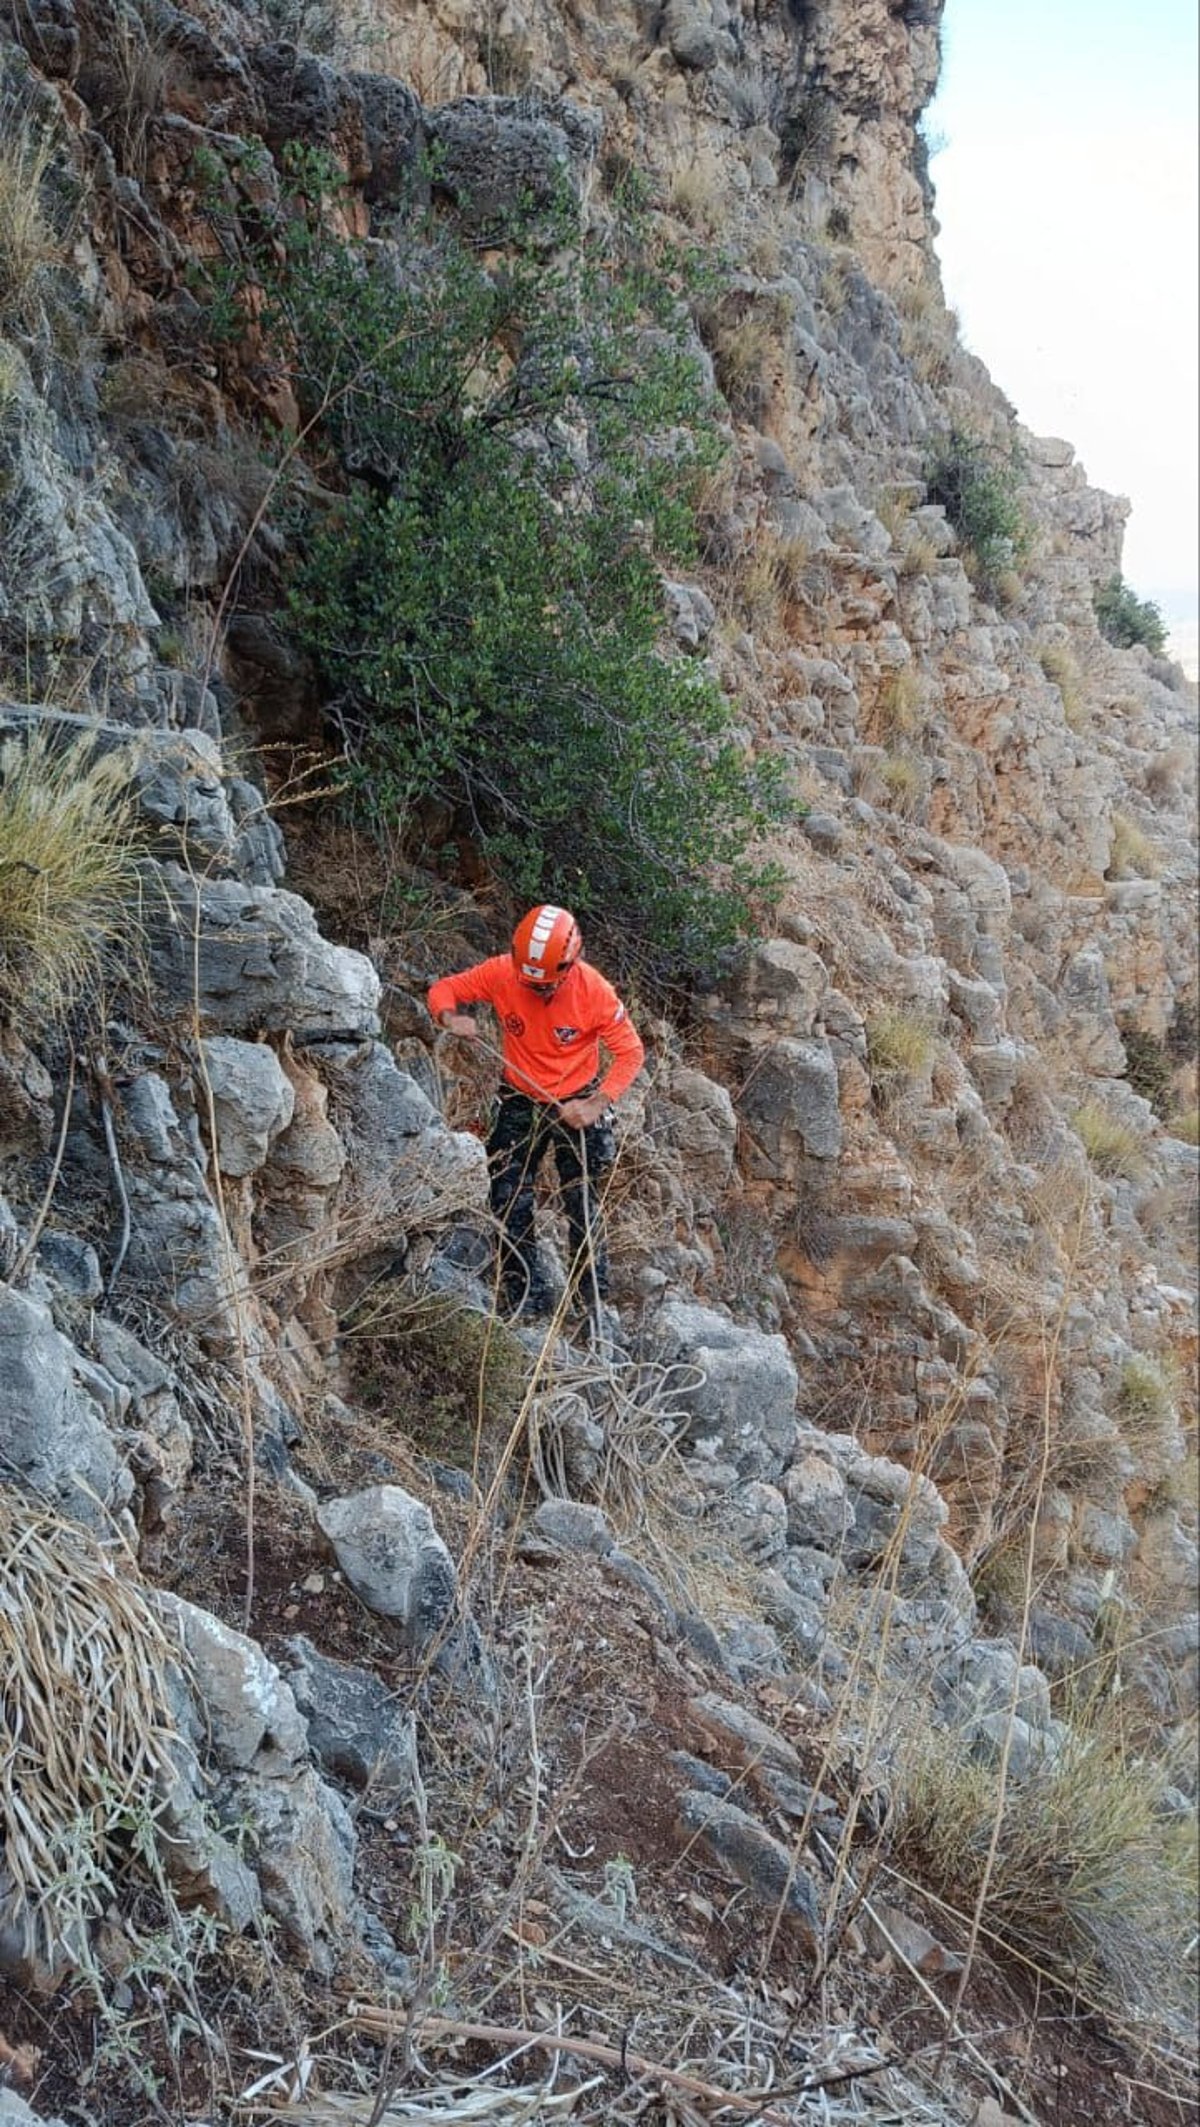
{"x":566,"y":1034}
{"x":513,"y":1022}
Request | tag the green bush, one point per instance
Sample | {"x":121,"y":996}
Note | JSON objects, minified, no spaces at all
{"x":519,"y":446}
{"x":977,"y":489}
{"x":1125,"y":619}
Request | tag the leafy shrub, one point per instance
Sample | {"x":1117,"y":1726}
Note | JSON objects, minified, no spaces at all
{"x":976,"y":488}
{"x":1112,"y":1147}
{"x":69,"y":874}
{"x":1125,"y":619}
{"x":484,"y":603}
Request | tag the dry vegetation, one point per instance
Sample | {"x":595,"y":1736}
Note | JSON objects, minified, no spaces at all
{"x":70,"y":872}
{"x":28,"y":240}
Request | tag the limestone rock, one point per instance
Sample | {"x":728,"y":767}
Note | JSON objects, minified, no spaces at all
{"x":393,"y":1558}
{"x":53,"y":1440}
{"x":251,"y":959}
{"x":790,"y":1104}
{"x":494,"y":156}
{"x":252,"y":1720}
{"x":405,"y":1165}
{"x":745,"y":1405}
{"x":818,"y":1511}
{"x":738,"y":1844}
{"x":695,"y":1115}
{"x":252,"y":1101}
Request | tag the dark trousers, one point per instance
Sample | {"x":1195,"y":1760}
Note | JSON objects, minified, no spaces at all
{"x":523,"y":1132}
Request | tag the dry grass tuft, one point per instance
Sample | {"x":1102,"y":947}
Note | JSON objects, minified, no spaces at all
{"x":28,"y":241}
{"x":901,"y":1046}
{"x":747,"y":345}
{"x":69,"y":872}
{"x":1132,"y":855}
{"x":88,"y":1752}
{"x":700,"y":196}
{"x":1146,"y":1410}
{"x":903,"y":781}
{"x":1113,"y":1149}
{"x":1061,"y":668}
{"x":900,"y":704}
{"x":772,"y":579}
{"x":1090,"y":1885}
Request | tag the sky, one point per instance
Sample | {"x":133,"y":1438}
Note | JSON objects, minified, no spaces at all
{"x":1064,"y":139}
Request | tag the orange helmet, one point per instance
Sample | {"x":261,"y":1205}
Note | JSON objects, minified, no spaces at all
{"x":546,"y":944}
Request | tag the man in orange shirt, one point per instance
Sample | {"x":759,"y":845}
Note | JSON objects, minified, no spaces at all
{"x":555,"y":1013}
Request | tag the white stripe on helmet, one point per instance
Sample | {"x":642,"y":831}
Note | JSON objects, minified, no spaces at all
{"x":539,"y":937}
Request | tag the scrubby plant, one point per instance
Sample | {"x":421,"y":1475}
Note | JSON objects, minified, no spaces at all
{"x":903,"y":781}
{"x":1145,"y":1397}
{"x":976,"y":486}
{"x":28,"y":243}
{"x":745,"y":340}
{"x":919,"y":556}
{"x":1186,"y":1126}
{"x":1132,"y":855}
{"x":808,"y":135}
{"x":1061,"y":668}
{"x":484,"y":602}
{"x":772,"y":577}
{"x":70,"y":873}
{"x":92,"y":1755}
{"x":700,"y":195}
{"x":900,"y":703}
{"x":1148,"y":1067}
{"x":1125,"y":619}
{"x":1084,"y":1878}
{"x":1113,"y":1149}
{"x":901,"y":1045}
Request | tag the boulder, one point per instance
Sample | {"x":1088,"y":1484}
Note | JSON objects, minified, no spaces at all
{"x":818,"y":1511}
{"x":695,"y":1115}
{"x":53,"y":1439}
{"x":744,"y":1408}
{"x":790,"y":1106}
{"x":394,"y":1559}
{"x":738,"y":1845}
{"x":495,"y":156}
{"x":404,"y":1163}
{"x":779,"y":985}
{"x":252,"y":1721}
{"x":251,"y":959}
{"x":240,"y":1722}
{"x":252,"y":1101}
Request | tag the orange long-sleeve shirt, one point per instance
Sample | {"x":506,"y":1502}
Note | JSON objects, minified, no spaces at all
{"x":551,"y":1045}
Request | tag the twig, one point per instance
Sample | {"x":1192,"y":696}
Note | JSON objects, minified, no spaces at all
{"x":103,"y":1082}
{"x":43,"y":1211}
{"x":747,"y":2102}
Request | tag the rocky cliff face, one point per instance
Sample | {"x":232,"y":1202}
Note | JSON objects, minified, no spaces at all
{"x":904,"y":1236}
